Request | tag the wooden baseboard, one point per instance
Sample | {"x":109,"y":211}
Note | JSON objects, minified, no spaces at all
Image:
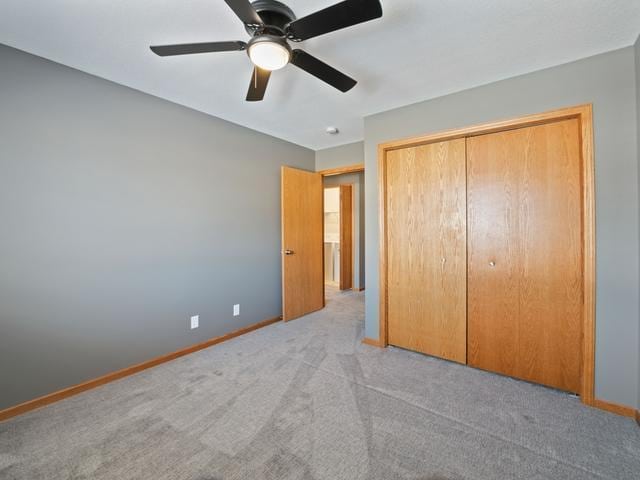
{"x":614,"y":408}
{"x":125,"y":372}
{"x":372,"y":342}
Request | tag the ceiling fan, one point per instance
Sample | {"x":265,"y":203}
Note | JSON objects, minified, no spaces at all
{"x":272,"y":25}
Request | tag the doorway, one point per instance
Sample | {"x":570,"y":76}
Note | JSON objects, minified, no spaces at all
{"x":338,"y":237}
{"x":303,"y":237}
{"x":352,"y":246}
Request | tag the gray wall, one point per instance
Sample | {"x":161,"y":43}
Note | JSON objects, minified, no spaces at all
{"x":357,"y":180}
{"x":637,"y":52}
{"x":121,"y":216}
{"x":348,"y":154}
{"x":608,"y":81}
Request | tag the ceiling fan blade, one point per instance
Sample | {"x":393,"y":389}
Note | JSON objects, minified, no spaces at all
{"x":188,"y":48}
{"x":336,"y":17}
{"x":321,"y":70}
{"x":245,"y":11}
{"x":258,"y":85}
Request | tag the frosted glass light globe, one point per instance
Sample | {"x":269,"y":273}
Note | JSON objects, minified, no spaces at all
{"x":268,"y":55}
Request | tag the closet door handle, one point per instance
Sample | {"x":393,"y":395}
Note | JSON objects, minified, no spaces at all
{"x":492,"y":263}
{"x":288,"y":252}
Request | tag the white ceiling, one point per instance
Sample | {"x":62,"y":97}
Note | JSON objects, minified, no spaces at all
{"x":419,"y":49}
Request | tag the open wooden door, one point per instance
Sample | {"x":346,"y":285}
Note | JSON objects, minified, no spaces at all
{"x":302,"y":243}
{"x":346,"y":237}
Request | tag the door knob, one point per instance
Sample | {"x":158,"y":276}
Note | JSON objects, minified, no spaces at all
{"x":288,"y":252}
{"x":492,"y":263}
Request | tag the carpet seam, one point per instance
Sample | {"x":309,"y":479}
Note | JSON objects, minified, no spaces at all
{"x":459,"y":422}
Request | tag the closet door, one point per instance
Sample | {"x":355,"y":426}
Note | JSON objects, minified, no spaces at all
{"x":426,"y":245}
{"x":525,"y":281}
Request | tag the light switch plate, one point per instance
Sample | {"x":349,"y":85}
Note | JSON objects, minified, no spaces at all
{"x":195,"y":321}
{"x":236,"y":310}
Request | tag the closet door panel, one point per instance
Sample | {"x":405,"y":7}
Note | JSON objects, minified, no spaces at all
{"x":525,"y":279}
{"x":493,"y":252}
{"x":426,"y":238}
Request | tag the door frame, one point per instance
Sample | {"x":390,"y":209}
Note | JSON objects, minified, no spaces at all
{"x":329,"y":172}
{"x":341,"y":224}
{"x":584,"y":114}
{"x":357,"y":167}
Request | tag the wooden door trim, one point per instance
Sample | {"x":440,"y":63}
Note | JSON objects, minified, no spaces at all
{"x":358,"y":167}
{"x":613,"y":407}
{"x":584,"y":114}
{"x":344,"y":222}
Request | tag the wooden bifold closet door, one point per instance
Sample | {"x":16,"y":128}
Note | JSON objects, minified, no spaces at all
{"x":525,"y":277}
{"x":426,"y":275}
{"x":484,"y":242}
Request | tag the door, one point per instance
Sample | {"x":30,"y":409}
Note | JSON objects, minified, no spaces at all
{"x":302,"y":243}
{"x":346,"y":237}
{"x":525,"y":281}
{"x":426,"y":249}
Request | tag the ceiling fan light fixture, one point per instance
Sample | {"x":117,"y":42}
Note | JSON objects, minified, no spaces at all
{"x":272,"y":25}
{"x":268,"y":54}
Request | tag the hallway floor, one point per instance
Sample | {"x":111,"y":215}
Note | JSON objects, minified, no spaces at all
{"x":307,"y":400}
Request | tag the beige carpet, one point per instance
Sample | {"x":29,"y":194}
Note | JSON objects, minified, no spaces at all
{"x":306,"y":400}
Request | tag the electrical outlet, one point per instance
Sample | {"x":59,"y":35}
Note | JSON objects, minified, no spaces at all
{"x":195,"y":321}
{"x":236,"y":310}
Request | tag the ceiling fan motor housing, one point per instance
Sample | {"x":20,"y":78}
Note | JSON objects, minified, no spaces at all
{"x":268,"y":38}
{"x":274,"y":14}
